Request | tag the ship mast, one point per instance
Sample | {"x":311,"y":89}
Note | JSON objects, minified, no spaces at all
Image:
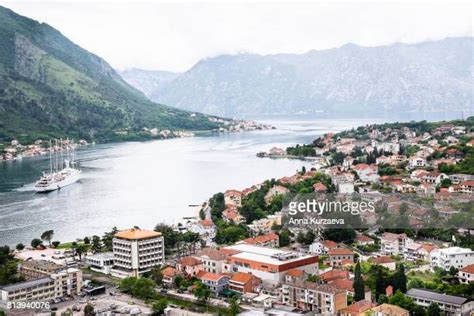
{"x":50,"y":157}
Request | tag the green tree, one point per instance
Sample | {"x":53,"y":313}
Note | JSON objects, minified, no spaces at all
{"x":234,"y":308}
{"x":434,"y":310}
{"x":400,"y":279}
{"x":96,"y":245}
{"x":36,"y":242}
{"x":159,"y":306}
{"x":47,"y":236}
{"x":156,"y":275}
{"x":126,"y":285}
{"x":359,"y":288}
{"x":56,"y":243}
{"x":80,"y":249}
{"x":89,"y":310}
{"x":107,"y":239}
{"x":20,"y":247}
{"x":284,"y":238}
{"x":87,"y":240}
{"x":202,"y":292}
{"x":144,"y":288}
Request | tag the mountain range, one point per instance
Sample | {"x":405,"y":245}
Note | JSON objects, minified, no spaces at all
{"x":422,"y":77}
{"x":50,"y":86}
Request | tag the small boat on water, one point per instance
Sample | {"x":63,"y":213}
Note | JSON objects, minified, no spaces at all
{"x":62,"y":171}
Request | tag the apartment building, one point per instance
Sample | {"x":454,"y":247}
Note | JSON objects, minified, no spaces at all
{"x":309,"y":296}
{"x":457,"y":257}
{"x":449,"y":304}
{"x":244,"y":282}
{"x":340,"y":256}
{"x":466,"y":274}
{"x":67,"y":282}
{"x":269,"y":264}
{"x":217,"y":283}
{"x":393,"y":244}
{"x":42,"y":289}
{"x":35,"y":269}
{"x":136,"y":251}
{"x":212,"y":259}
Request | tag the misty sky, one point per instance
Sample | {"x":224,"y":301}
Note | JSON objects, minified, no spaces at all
{"x":174,"y":35}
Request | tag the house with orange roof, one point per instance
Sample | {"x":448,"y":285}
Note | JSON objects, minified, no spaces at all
{"x":233,"y":197}
{"x":244,"y":283}
{"x":348,"y":286}
{"x":275,"y":191}
{"x":424,"y":253}
{"x":216,"y":282}
{"x":334,"y":274}
{"x":190,"y":266}
{"x":319,"y":188}
{"x":169,"y":276}
{"x":267,"y":240}
{"x":359,"y":308}
{"x":206,"y":230}
{"x":231,"y":215}
{"x":393,"y":244}
{"x":385,"y":261}
{"x":466,"y":274}
{"x":212,"y":259}
{"x":388,"y":310}
{"x":322,"y":247}
{"x":295,"y":274}
{"x":338,"y":255}
{"x":363,"y":240}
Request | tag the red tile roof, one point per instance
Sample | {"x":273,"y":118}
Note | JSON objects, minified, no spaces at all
{"x":468,"y":269}
{"x":261,"y":239}
{"x":333,"y":275}
{"x":382,"y":259}
{"x":340,"y":251}
{"x":358,"y":307}
{"x":206,"y":223}
{"x":212,"y":276}
{"x":169,"y":272}
{"x":190,"y":261}
{"x":295,"y":273}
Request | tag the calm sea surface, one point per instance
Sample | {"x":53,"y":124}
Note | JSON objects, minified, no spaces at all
{"x":144,"y":183}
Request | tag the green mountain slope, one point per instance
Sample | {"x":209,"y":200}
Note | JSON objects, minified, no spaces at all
{"x":49,"y":86}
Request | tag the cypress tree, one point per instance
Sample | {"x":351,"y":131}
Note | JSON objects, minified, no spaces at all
{"x":358,"y":284}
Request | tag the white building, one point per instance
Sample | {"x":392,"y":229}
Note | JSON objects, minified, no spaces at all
{"x":268,"y":264}
{"x":67,"y":282}
{"x":457,"y":257}
{"x":417,"y":162}
{"x":345,"y":187}
{"x":393,"y":244}
{"x":136,"y":251}
{"x":466,"y":274}
{"x":101,"y":262}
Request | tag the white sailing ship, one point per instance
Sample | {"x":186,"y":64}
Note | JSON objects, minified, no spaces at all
{"x":62,"y":170}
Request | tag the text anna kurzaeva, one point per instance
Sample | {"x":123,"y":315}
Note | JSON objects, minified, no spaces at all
{"x":321,"y":209}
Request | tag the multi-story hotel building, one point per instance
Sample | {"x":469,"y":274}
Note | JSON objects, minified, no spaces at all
{"x":309,"y":296}
{"x":269,"y":264}
{"x":136,"y":251}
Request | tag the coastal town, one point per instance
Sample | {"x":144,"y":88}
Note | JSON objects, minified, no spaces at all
{"x":413,"y":255}
{"x":16,"y":149}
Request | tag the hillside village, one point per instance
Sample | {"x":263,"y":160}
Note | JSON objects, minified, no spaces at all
{"x":237,"y":255}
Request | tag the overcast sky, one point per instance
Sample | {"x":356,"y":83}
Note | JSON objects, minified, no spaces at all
{"x":174,"y":35}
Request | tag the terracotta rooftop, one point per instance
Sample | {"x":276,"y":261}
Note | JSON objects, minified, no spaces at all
{"x":468,"y":269}
{"x":358,"y":307}
{"x":169,"y":272}
{"x":295,"y":273}
{"x":340,"y":251}
{"x":189,"y":261}
{"x":136,"y":233}
{"x":382,"y":259}
{"x":242,"y":278}
{"x":212,"y":276}
{"x":211,"y":253}
{"x":334,"y":275}
{"x":206,"y":223}
{"x":261,"y":239}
